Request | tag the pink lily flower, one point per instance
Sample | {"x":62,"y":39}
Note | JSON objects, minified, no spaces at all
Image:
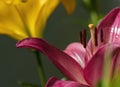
{"x":83,"y":64}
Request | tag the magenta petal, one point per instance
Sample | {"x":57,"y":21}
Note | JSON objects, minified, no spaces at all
{"x":93,"y":70}
{"x":54,"y":82}
{"x":111,"y":25}
{"x":64,"y":62}
{"x":77,"y":52}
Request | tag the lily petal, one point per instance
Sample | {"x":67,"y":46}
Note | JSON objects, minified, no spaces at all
{"x":64,"y":62}
{"x":46,"y":10}
{"x":77,"y":52}
{"x":14,"y":28}
{"x":25,"y":18}
{"x":35,"y":14}
{"x":111,"y":25}
{"x":54,"y":82}
{"x":28,"y":11}
{"x":94,"y":69}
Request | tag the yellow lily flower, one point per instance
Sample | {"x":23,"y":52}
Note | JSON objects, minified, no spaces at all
{"x":25,"y":18}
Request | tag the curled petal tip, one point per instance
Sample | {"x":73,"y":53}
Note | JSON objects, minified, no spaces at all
{"x":22,"y":42}
{"x":18,"y":44}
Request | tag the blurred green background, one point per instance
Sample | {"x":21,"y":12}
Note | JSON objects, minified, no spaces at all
{"x":20,"y":64}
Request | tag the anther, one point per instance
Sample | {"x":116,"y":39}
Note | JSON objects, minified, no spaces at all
{"x":95,"y":36}
{"x":82,"y":37}
{"x":101,"y":35}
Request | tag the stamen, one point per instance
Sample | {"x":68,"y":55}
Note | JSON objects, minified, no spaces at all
{"x":84,"y":38}
{"x":93,"y":32}
{"x":96,"y":42}
{"x":101,"y":35}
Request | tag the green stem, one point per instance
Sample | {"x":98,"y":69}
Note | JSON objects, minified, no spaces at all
{"x":94,"y":17}
{"x":40,"y":68}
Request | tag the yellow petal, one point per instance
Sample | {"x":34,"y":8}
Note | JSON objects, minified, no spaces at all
{"x":10,"y":21}
{"x":45,"y":11}
{"x":28,"y":10}
{"x":35,"y":14}
{"x":25,"y":17}
{"x":69,"y":5}
{"x":14,"y":34}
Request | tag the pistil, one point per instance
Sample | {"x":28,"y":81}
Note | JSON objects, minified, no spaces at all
{"x":93,"y":32}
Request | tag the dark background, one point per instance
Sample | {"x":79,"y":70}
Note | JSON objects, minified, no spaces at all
{"x":20,"y":64}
